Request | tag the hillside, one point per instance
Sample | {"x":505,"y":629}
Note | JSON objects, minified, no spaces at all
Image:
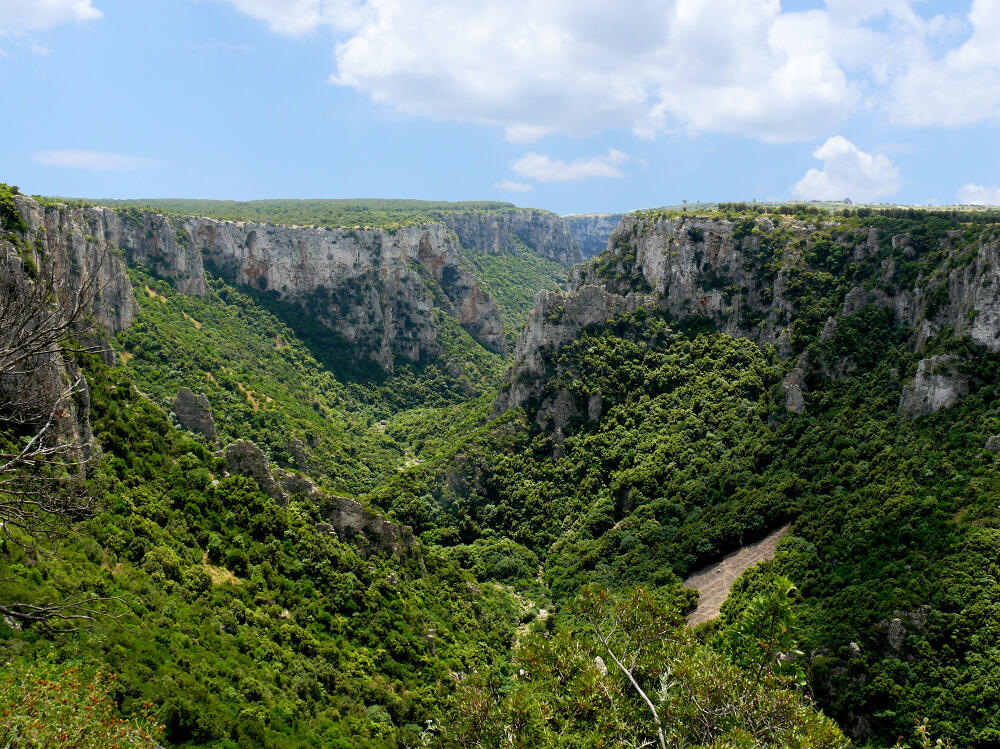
{"x":710,"y":378}
{"x":374,"y":519}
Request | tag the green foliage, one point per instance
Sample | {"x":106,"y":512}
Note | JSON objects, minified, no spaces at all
{"x":9,"y":215}
{"x":331,"y":213}
{"x":513,"y":279}
{"x":242,"y":622}
{"x":653,"y":678}
{"x":50,"y":705}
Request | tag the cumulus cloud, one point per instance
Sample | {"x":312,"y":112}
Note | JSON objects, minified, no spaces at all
{"x":972,"y":194}
{"x":962,"y":86}
{"x":92,"y":160}
{"x":294,"y":17}
{"x":542,"y":168}
{"x":36,"y":15}
{"x":580,"y":67}
{"x":509,"y":185}
{"x":848,"y":173}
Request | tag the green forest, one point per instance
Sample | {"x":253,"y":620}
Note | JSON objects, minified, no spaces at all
{"x":540,"y":600}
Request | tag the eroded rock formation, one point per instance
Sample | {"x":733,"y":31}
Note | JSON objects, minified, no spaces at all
{"x":744,"y":276}
{"x":497,"y":231}
{"x":374,"y":289}
{"x":593,"y":230}
{"x":194,"y":412}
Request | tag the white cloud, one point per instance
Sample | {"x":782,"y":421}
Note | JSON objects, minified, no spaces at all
{"x":848,"y":173}
{"x":36,"y":15}
{"x":580,"y":67}
{"x":294,"y":17}
{"x":961,"y":87}
{"x":544,"y":168}
{"x":978,"y":195}
{"x":92,"y":160}
{"x":509,"y":185}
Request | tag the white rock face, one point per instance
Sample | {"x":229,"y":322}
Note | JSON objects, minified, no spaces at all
{"x":556,"y":319}
{"x":592,"y":230}
{"x":742,"y":278}
{"x":82,"y":244}
{"x":937,"y":385}
{"x":495,"y":232}
{"x":369,"y":286}
{"x":375,"y":289}
{"x":794,"y":387}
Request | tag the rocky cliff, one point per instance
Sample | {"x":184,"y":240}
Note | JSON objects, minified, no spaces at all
{"x":494,"y":232}
{"x":72,"y":254}
{"x":592,"y":230}
{"x":783,"y":281}
{"x":374,"y":289}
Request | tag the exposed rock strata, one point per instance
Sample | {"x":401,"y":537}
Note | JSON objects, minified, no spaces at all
{"x":352,"y":521}
{"x":592,"y":230}
{"x":373,"y":288}
{"x":741,"y":275}
{"x":368,"y":286}
{"x":936,"y":385}
{"x":497,"y":231}
{"x":194,"y":412}
{"x":245,"y":458}
{"x":556,"y":319}
{"x":73,"y":249}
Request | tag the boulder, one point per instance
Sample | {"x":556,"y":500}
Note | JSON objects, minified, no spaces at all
{"x":194,"y":412}
{"x":794,"y":387}
{"x":937,"y":385}
{"x":244,"y":457}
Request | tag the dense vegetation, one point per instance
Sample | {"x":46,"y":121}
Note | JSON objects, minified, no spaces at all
{"x":332,"y":213}
{"x":243,"y":622}
{"x":513,"y":279}
{"x":894,"y":523}
{"x":265,"y":382}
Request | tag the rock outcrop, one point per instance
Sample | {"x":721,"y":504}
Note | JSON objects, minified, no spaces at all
{"x":498,"y":231}
{"x":557,"y":318}
{"x":82,"y":245}
{"x":194,"y":412}
{"x":593,"y":230}
{"x":937,"y":384}
{"x":371,"y":531}
{"x":745,"y":277}
{"x":346,"y":518}
{"x":73,"y":252}
{"x":245,"y":458}
{"x":370,"y":287}
{"x":793,"y":387}
{"x":374,"y":289}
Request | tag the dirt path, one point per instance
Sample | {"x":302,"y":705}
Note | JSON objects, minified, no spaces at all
{"x":714,"y":582}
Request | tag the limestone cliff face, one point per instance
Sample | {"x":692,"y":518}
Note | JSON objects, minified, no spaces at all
{"x":76,"y":248}
{"x":496,"y":231}
{"x":557,"y":318}
{"x":593,"y":230}
{"x":373,"y":288}
{"x":745,"y":277}
{"x":82,"y":243}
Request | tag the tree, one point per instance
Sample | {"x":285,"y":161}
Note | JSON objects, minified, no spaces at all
{"x":44,"y":455}
{"x":662,"y":687}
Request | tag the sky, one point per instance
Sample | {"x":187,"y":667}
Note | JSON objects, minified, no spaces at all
{"x":570,"y":105}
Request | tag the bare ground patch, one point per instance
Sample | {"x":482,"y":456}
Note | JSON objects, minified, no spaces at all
{"x":714,"y":581}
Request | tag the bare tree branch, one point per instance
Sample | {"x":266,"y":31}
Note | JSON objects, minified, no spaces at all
{"x":44,"y":457}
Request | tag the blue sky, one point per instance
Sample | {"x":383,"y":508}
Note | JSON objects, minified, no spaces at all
{"x":570,"y":105}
